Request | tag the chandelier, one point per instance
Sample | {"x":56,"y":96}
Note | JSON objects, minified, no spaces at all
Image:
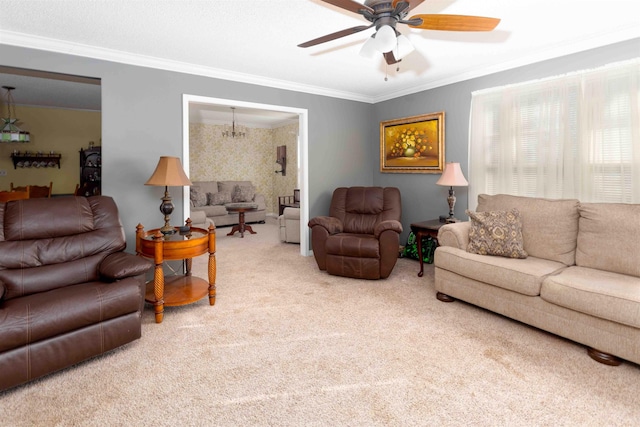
{"x":233,"y":130}
{"x":11,"y":132}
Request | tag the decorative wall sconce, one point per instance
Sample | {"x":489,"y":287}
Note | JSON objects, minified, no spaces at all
{"x":281,"y":159}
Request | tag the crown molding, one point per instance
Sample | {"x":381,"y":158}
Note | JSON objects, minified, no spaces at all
{"x":622,"y":34}
{"x":69,"y":48}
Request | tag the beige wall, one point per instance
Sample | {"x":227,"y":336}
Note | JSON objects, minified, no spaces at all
{"x":61,"y":131}
{"x":217,"y":158}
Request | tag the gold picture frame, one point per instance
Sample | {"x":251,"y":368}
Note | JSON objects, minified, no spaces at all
{"x":413,"y":144}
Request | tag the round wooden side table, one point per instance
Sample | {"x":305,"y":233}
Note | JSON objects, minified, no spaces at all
{"x":184,"y":289}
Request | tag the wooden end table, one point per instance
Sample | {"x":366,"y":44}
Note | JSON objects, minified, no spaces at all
{"x":425,"y":229}
{"x":177,"y":290}
{"x":241,"y":208}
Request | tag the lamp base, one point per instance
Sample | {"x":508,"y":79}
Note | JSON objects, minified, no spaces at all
{"x":167,"y":231}
{"x":167,"y":208}
{"x":451,"y":200}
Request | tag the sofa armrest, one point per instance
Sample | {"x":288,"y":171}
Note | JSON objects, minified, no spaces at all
{"x":198,"y":216}
{"x":331,"y":224}
{"x":260,"y":201}
{"x":120,"y":265}
{"x":455,"y":235}
{"x":390,"y":224}
{"x":291,"y":213}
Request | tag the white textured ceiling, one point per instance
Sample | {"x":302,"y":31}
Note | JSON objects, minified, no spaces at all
{"x":256,"y":40}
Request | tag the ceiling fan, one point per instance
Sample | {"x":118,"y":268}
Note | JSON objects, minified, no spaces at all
{"x":385,"y":14}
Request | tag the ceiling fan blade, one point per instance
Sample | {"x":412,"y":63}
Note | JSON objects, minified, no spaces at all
{"x":455,"y":22}
{"x":412,"y":3}
{"x":350,"y":5}
{"x":390,"y":58}
{"x":335,"y":35}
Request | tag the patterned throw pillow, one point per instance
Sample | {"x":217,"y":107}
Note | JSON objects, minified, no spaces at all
{"x":243,"y":193}
{"x":496,"y":233}
{"x":198,"y":198}
{"x":219,"y":198}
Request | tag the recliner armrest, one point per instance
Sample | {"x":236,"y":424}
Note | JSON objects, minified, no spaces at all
{"x":390,"y":224}
{"x":120,"y":265}
{"x":331,"y":224}
{"x":1,"y":290}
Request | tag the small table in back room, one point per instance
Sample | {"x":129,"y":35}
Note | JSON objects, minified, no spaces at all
{"x":423,"y":229}
{"x":241,"y":208}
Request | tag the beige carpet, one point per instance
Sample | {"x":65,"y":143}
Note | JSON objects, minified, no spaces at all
{"x":288,"y":345}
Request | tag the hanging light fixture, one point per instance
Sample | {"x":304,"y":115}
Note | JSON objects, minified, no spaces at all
{"x":387,"y":39}
{"x":11,"y":132}
{"x":234,"y":131}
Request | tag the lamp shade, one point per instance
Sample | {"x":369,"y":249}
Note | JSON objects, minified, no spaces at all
{"x":403,"y":47}
{"x":369,"y":48}
{"x":452,"y":176}
{"x":169,"y":172}
{"x":385,"y":39}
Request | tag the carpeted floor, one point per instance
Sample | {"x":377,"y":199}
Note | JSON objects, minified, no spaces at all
{"x":289,"y":345}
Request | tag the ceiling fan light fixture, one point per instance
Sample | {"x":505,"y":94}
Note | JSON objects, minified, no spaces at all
{"x":403,"y":47}
{"x":369,"y":49}
{"x":385,"y":39}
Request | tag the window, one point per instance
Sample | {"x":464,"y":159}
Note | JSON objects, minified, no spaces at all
{"x":573,"y":136}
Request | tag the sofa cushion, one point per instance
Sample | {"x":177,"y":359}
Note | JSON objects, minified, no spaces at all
{"x":549,"y":227}
{"x":243,"y":193}
{"x":603,"y":294}
{"x":44,"y":315}
{"x":496,"y":233}
{"x":230,"y":185}
{"x":206,"y":186}
{"x":524,"y":276}
{"x":609,"y":237}
{"x":213,"y":210}
{"x":56,"y":242}
{"x":219,"y":198}
{"x":353,"y":245}
{"x":198,"y":196}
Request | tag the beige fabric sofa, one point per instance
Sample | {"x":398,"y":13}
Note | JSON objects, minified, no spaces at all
{"x":213,"y":208}
{"x":581,"y":279}
{"x":289,"y":223}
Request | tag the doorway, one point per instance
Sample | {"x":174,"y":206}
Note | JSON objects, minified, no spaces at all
{"x":188,"y":100}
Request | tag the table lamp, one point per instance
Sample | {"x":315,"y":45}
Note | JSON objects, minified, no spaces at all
{"x":452,"y":177}
{"x":169,"y":172}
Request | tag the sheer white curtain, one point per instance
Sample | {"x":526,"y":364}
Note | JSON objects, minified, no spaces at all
{"x":572,"y":136}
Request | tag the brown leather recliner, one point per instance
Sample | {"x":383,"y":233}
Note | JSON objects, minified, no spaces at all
{"x":361,"y":236}
{"x":68,"y":292}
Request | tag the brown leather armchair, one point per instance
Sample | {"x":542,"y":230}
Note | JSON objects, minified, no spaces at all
{"x":361,"y":236}
{"x":68,"y":291}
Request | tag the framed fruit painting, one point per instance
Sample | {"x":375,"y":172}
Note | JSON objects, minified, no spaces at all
{"x":413,"y":144}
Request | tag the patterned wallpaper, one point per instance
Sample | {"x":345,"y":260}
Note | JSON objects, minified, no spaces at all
{"x":253,"y":158}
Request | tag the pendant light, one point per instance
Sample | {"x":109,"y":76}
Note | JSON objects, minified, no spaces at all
{"x":234,"y":131}
{"x":11,"y":132}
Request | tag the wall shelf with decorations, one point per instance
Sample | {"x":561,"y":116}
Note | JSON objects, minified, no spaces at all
{"x":35,"y":160}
